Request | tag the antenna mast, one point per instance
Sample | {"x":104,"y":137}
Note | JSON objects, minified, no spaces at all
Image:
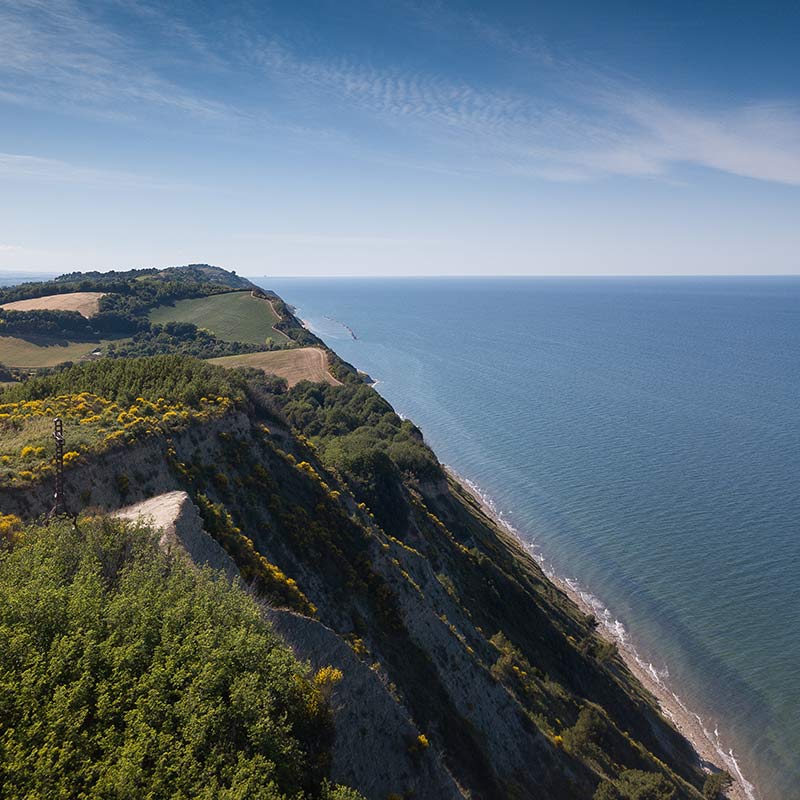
{"x":58,"y":497}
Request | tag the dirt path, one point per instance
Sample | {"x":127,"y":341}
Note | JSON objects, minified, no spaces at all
{"x":281,"y":335}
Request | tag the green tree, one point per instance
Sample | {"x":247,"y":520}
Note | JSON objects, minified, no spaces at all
{"x":634,"y":784}
{"x":715,"y":785}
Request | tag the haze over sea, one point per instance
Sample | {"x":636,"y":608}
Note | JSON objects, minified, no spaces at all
{"x":644,"y":436}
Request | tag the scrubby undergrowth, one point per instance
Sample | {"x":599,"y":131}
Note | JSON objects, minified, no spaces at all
{"x":126,"y":674}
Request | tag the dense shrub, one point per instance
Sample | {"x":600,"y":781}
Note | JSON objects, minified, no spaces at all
{"x":715,"y":784}
{"x":358,"y":434}
{"x":126,"y":674}
{"x":350,"y":422}
{"x":175,"y":378}
{"x":585,"y":738}
{"x":635,"y":784}
{"x":51,"y":324}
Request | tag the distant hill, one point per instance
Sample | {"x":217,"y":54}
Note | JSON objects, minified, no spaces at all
{"x":195,"y":273}
{"x":198,"y":309}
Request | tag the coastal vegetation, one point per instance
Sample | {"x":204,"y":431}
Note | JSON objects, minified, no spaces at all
{"x":127,"y":405}
{"x":122,"y":305}
{"x":176,"y":337}
{"x":199,"y":310}
{"x":124,"y":673}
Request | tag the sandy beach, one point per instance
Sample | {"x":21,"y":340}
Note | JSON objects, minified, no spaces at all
{"x":704,"y":742}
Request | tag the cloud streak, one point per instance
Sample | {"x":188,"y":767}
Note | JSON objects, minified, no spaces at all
{"x":49,"y":170}
{"x":577,"y":124}
{"x":588,"y":126}
{"x":57,"y":54}
{"x":760,"y":141}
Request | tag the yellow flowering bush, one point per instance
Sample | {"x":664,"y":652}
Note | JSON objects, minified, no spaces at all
{"x":71,"y":456}
{"x":325,"y":679}
{"x":92,"y":424}
{"x":10,"y":529}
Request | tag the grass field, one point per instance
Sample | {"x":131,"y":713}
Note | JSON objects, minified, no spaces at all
{"x":233,"y":317}
{"x":303,"y":364}
{"x":85,"y":303}
{"x":16,"y":352}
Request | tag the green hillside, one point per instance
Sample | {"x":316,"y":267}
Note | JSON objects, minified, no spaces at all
{"x":232,"y":317}
{"x":197,"y":310}
{"x":334,"y":507}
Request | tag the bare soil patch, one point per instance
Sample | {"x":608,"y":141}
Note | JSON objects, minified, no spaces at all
{"x":85,"y":303}
{"x":302,"y":364}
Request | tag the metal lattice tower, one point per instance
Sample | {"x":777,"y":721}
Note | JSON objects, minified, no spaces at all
{"x":58,"y":497}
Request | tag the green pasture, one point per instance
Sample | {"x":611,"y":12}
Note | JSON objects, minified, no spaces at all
{"x":17,"y":352}
{"x":232,"y":317}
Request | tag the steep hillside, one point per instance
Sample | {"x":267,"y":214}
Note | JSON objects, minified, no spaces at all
{"x":467,"y":673}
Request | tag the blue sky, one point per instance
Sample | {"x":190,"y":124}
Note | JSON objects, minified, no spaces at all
{"x":401,"y":137}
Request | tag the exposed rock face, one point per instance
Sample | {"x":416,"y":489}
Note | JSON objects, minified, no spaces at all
{"x":376,"y":748}
{"x":181,"y":528}
{"x":372,"y":727}
{"x":119,"y":477}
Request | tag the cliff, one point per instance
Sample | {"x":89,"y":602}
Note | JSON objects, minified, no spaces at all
{"x":467,"y":673}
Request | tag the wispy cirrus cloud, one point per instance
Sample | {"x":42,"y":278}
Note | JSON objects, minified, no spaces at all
{"x":573,"y":123}
{"x":760,"y":141}
{"x":403,"y":95}
{"x":63,"y":54}
{"x":50,"y":170}
{"x":590,"y":127}
{"x":437,"y":17}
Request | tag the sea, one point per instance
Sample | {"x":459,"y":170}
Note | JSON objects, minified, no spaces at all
{"x":642,"y":436}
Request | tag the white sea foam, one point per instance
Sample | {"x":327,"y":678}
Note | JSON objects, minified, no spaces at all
{"x":616,"y":629}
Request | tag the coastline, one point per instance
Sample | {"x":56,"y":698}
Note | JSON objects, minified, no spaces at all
{"x":705,"y":743}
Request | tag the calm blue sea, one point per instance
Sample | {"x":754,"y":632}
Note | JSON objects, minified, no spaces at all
{"x":644,"y":435}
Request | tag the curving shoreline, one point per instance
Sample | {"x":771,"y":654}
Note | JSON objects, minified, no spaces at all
{"x":706,"y":744}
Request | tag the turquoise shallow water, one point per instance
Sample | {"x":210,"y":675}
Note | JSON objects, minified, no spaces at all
{"x":645,"y":436}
